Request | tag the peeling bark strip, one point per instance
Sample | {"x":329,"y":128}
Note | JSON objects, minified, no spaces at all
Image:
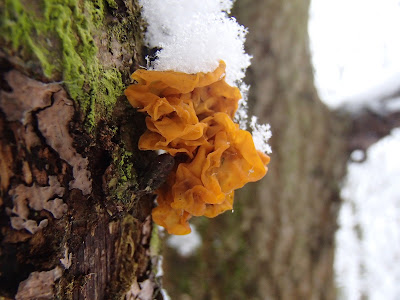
{"x":21,"y":105}
{"x":34,"y":122}
{"x":36,"y":198}
{"x":57,"y":238}
{"x":28,"y":97}
{"x":58,"y":137}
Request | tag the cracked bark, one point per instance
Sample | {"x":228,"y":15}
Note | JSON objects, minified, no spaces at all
{"x":58,"y":239}
{"x":64,"y":234}
{"x":277,"y":245}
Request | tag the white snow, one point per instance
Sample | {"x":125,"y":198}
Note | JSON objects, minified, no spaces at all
{"x":383,"y":88}
{"x":185,"y":245}
{"x":357,"y":155}
{"x":261,"y":135}
{"x":393,"y":105}
{"x":355,"y":46}
{"x":194,"y":36}
{"x":368,"y":252}
{"x":241,"y":116}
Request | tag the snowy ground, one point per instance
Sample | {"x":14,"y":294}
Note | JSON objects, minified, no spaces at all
{"x":356,"y":46}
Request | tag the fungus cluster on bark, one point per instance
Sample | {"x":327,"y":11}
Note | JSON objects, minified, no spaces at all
{"x":191,"y":116}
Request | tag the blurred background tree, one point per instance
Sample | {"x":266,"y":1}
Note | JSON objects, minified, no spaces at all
{"x":279,"y":241}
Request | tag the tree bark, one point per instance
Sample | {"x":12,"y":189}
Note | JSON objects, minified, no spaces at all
{"x":368,"y":127}
{"x":75,"y":192}
{"x":293,"y":220}
{"x":279,"y":241}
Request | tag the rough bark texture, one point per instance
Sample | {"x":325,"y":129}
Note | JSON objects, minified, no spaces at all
{"x":75,"y":192}
{"x":74,"y":189}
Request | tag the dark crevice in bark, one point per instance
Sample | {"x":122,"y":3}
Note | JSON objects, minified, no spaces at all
{"x":5,"y":66}
{"x":15,"y":271}
{"x":110,"y":251}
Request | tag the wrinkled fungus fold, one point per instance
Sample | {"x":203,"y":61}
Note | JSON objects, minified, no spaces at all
{"x":192,"y":114}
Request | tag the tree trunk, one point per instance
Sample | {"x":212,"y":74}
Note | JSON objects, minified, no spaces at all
{"x":279,"y":242}
{"x":75,"y":193}
{"x":293,"y":220}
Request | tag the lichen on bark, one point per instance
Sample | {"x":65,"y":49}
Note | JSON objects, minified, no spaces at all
{"x":73,"y":129}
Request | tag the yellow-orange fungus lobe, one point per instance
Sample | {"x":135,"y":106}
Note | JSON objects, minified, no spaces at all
{"x":192,"y":114}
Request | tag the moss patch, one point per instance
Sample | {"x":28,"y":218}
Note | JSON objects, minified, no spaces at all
{"x":123,"y":161}
{"x":155,"y":242}
{"x":55,"y":38}
{"x":122,"y":183}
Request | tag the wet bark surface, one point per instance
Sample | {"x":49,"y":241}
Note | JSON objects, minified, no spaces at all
{"x":75,"y":201}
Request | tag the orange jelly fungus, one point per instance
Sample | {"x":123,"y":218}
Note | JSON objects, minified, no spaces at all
{"x":192,"y":114}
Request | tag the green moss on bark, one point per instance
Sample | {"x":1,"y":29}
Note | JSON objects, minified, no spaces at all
{"x":58,"y":37}
{"x":122,"y":186}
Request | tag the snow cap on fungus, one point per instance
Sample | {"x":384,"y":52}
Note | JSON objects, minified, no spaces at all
{"x":192,"y":114}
